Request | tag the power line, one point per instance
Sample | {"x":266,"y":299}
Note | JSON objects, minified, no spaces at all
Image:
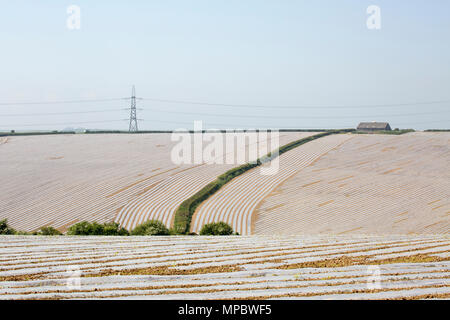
{"x":61,"y":113}
{"x":230,"y":126}
{"x":278,"y":127}
{"x":222,"y":114}
{"x":190,"y":124}
{"x":61,"y":124}
{"x":293,"y":117}
{"x":133,"y":126}
{"x":420,"y":123}
{"x":296,"y":107}
{"x":225,"y":104}
{"x":60,"y":102}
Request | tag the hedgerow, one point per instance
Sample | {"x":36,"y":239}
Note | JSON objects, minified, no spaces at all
{"x":96,"y":229}
{"x":396,"y":131}
{"x":185,"y":211}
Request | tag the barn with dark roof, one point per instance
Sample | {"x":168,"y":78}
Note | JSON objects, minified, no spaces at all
{"x":374,"y":126}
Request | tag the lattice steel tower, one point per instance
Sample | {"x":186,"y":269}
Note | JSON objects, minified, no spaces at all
{"x":133,"y":120}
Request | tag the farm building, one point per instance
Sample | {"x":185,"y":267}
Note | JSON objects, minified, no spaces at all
{"x":374,"y":126}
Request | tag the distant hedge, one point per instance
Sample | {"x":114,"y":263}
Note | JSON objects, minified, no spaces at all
{"x":394,"y":132}
{"x":96,"y":229}
{"x":85,"y":228}
{"x":41,"y":133}
{"x":44,"y":133}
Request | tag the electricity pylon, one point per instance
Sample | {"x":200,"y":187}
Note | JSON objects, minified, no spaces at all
{"x":133,"y":120}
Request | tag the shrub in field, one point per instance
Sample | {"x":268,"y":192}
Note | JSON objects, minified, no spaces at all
{"x":113,"y":229}
{"x":96,"y":229}
{"x":5,"y":229}
{"x":48,"y":231}
{"x":80,"y":229}
{"x":22,"y":233}
{"x":216,"y":229}
{"x":151,"y":228}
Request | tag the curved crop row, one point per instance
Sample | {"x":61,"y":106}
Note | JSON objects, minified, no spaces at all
{"x":76,"y":177}
{"x":162,"y":201}
{"x":237,"y":200}
{"x":372,"y":184}
{"x":184,"y":213}
{"x":72,"y":178}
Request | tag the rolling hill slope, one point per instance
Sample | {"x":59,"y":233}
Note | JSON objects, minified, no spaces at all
{"x":374,"y":184}
{"x":236,"y":202}
{"x":63,"y":179}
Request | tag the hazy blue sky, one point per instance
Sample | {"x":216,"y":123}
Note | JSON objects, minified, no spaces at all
{"x":271,"y":52}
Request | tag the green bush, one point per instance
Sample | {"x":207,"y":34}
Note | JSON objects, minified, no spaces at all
{"x":96,"y":229}
{"x":22,"y":233}
{"x":151,"y":228}
{"x":80,"y":229}
{"x":47,"y":231}
{"x":5,"y":229}
{"x":113,"y":229}
{"x":216,"y":229}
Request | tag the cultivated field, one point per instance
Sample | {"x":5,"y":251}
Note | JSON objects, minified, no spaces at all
{"x":371,"y":184}
{"x":269,"y":267}
{"x":364,"y":184}
{"x":346,"y":217}
{"x":63,"y":179}
{"x":236,"y":202}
